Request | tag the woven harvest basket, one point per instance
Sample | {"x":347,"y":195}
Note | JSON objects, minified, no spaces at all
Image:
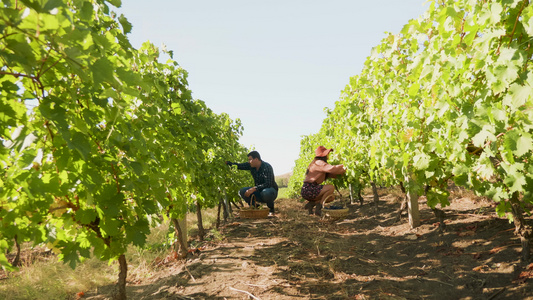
{"x":250,"y":213}
{"x":336,"y":213}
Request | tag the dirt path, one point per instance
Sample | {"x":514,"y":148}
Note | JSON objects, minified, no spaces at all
{"x":364,"y":256}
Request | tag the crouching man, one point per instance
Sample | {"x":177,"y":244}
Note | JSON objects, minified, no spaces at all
{"x":266,"y":188}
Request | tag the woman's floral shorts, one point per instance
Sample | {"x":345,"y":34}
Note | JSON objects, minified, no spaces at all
{"x":311,"y":190}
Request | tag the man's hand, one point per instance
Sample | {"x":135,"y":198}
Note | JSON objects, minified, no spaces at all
{"x":250,"y":191}
{"x":229,"y":163}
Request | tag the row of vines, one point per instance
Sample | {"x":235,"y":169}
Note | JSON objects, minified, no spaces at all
{"x":447,"y":99}
{"x":100,"y":141}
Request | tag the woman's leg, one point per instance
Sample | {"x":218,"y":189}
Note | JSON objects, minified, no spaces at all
{"x":310,"y":192}
{"x":325,"y":196}
{"x":309,"y":206}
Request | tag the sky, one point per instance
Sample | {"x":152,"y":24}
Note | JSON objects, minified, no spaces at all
{"x":275,"y":65}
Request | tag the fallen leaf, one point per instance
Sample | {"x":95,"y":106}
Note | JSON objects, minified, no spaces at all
{"x":466,"y":233}
{"x":496,"y":250}
{"x":523,"y":277}
{"x":472,"y":227}
{"x":479,"y":268}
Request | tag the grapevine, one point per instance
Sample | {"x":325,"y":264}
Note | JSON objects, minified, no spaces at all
{"x":447,"y":98}
{"x":98,"y":137}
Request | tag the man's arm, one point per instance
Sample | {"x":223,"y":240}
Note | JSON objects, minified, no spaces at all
{"x":243,"y":166}
{"x":240,"y":166}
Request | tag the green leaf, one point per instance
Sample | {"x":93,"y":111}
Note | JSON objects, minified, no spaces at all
{"x":69,"y":253}
{"x":495,"y":12}
{"x":62,"y":158}
{"x":497,"y":194}
{"x":505,"y":74}
{"x":51,"y":4}
{"x":484,"y":135}
{"x":524,"y":144}
{"x":484,"y":167}
{"x":84,"y":241}
{"x":27,"y":157}
{"x":86,"y":216}
{"x":116,"y":3}
{"x":86,"y":11}
{"x":110,"y":201}
{"x":528,"y":25}
{"x":81,"y":143}
{"x":518,"y":143}
{"x":102,"y":71}
{"x":126,"y":26}
{"x":48,"y":22}
{"x":138,"y":232}
{"x":506,"y":56}
{"x":516,"y":182}
{"x":510,"y":140}
{"x":517,"y":96}
{"x":413,"y":89}
{"x":24,"y":51}
{"x":137,"y":167}
{"x":52,"y":184}
{"x":111,"y":226}
{"x":421,"y":161}
{"x":436,"y":196}
{"x":502,"y":208}
{"x":3,"y":259}
{"x":151,"y":207}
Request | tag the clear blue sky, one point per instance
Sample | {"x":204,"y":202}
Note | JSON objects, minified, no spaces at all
{"x":275,"y":65}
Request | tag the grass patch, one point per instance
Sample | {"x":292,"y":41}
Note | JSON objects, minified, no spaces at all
{"x":209,"y":219}
{"x":51,"y":279}
{"x":283,"y":193}
{"x":42,"y":276}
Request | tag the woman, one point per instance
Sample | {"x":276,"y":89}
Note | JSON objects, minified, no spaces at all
{"x":318,"y":171}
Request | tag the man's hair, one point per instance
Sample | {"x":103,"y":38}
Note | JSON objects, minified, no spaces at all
{"x":255,"y":154}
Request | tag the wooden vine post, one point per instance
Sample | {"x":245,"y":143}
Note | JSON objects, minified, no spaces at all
{"x":522,"y":229}
{"x":180,"y":227}
{"x":120,"y":288}
{"x":201,"y":229}
{"x":351,"y":194}
{"x":227,"y":208}
{"x":376,"y":195}
{"x":412,"y":203}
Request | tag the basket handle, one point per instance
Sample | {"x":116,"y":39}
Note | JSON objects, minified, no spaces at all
{"x":253,"y":201}
{"x":328,"y":198}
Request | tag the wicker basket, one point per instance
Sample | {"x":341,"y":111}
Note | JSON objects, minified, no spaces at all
{"x":251,"y":213}
{"x":336,"y":213}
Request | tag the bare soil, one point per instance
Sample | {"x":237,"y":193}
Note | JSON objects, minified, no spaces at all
{"x":366,"y":255}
